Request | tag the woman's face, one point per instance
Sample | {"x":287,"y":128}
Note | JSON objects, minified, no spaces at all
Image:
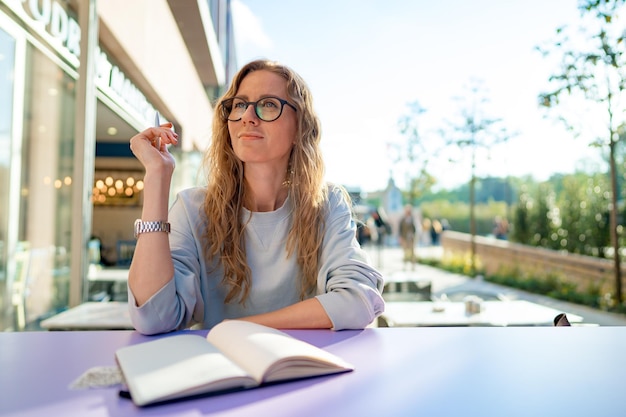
{"x":254,"y":140}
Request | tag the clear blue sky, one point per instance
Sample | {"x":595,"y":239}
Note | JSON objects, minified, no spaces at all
{"x":365,"y":60}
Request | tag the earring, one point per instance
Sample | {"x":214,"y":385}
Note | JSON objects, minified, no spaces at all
{"x":287,"y":181}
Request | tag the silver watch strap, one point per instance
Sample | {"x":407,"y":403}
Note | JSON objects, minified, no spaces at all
{"x":148,"y":227}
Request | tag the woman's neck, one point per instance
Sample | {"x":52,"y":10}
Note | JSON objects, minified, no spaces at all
{"x":266,"y":192}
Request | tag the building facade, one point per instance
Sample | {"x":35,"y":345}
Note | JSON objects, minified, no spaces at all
{"x":78,"y":78}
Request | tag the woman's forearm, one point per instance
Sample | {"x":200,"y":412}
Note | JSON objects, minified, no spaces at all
{"x":152,"y":265}
{"x":307,"y":314}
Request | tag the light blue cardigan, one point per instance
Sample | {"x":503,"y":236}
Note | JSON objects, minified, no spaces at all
{"x":348,"y":287}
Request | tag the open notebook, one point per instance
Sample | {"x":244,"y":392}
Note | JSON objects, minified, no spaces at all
{"x":234,"y":355}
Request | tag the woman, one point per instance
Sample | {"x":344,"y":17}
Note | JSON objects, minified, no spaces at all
{"x":267,"y":240}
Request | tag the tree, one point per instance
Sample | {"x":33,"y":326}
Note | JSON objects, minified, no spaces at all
{"x":473,"y":130}
{"x":414,"y":153}
{"x":521,"y":218}
{"x":593,"y":73}
{"x":541,"y":217}
{"x":583,"y":215}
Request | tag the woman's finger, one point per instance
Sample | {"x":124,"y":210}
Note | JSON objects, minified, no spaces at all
{"x":164,"y":132}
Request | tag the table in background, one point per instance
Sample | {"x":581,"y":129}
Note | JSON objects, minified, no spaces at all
{"x":110,"y":278}
{"x":452,"y":313}
{"x":407,"y":286}
{"x":428,"y":371}
{"x":96,"y":273}
{"x":111,"y":315}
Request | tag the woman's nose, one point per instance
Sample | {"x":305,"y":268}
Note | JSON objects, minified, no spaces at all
{"x":250,"y":114}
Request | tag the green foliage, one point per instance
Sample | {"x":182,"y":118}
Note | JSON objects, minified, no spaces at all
{"x":462,"y":264}
{"x":541,"y":217}
{"x":550,"y":284}
{"x":533,"y":222}
{"x":569,"y":212}
{"x":457,"y":214}
{"x":587,"y":229}
{"x":522,"y":229}
{"x":487,"y":189}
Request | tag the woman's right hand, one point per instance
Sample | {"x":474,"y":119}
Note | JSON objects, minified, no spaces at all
{"x":143,"y":146}
{"x":152,"y":266}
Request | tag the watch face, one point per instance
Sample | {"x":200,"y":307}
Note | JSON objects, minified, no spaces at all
{"x":137,"y":227}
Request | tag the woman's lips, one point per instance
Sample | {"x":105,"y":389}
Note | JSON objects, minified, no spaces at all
{"x":249,"y":136}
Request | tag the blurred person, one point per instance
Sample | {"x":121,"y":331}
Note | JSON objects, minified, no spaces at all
{"x":435,"y":231}
{"x":500,"y":228}
{"x":407,"y":232}
{"x":363,"y":232}
{"x":266,"y":240}
{"x":378,"y":224}
{"x":426,"y":231}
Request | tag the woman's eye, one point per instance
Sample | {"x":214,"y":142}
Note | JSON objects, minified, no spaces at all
{"x":269,"y":104}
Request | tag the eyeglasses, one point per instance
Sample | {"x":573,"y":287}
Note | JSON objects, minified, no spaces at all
{"x":267,"y":109}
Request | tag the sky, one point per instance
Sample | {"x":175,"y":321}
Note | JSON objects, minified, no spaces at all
{"x":366,"y":60}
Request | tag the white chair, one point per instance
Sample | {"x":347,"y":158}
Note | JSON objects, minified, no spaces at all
{"x":18,"y":286}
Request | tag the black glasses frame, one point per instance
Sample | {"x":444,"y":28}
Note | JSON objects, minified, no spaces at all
{"x":227,"y":106}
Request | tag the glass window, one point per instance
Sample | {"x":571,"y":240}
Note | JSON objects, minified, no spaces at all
{"x":7,"y":64}
{"x":46,"y":183}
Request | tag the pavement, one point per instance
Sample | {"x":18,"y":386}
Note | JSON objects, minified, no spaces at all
{"x":388,"y":260}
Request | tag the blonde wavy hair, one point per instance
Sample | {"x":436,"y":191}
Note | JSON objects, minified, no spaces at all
{"x":227,"y":193}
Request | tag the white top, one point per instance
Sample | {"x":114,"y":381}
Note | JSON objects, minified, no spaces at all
{"x":348,"y":287}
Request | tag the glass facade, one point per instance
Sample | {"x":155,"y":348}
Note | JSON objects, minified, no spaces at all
{"x":44,"y":225}
{"x":7,"y":65}
{"x":35,"y":183}
{"x":37,"y":119}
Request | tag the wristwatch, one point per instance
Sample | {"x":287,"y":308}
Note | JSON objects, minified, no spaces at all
{"x":148,"y":227}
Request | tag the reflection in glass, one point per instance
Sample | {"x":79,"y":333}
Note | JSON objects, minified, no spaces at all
{"x":7,"y":63}
{"x":46,"y":181}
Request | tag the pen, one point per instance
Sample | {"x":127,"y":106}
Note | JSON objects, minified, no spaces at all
{"x":157,"y":123}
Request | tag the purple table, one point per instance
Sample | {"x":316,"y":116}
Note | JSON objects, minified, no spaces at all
{"x":456,"y":371}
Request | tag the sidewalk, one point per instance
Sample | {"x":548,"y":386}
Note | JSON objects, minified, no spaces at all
{"x":388,"y":260}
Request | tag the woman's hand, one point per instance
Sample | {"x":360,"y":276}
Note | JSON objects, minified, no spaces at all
{"x":152,"y":266}
{"x":143,"y":146}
